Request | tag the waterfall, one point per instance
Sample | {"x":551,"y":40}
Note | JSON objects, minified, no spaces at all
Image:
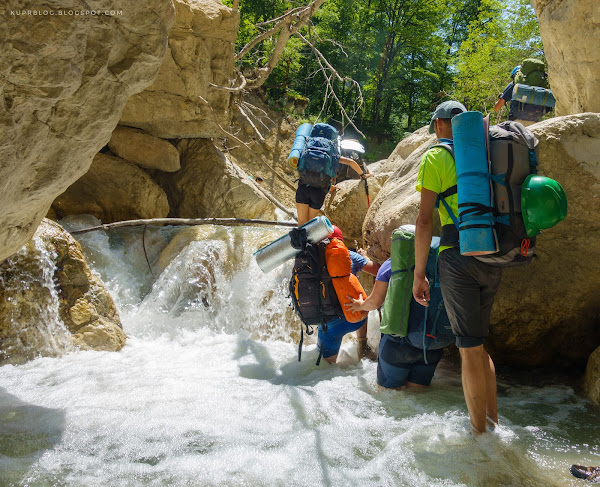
{"x":29,"y":304}
{"x":208,"y":391}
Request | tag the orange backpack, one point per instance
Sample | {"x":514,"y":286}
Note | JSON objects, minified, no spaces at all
{"x":345,"y":283}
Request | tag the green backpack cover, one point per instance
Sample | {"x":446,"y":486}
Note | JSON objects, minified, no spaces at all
{"x":396,"y":307}
{"x":532,"y":73}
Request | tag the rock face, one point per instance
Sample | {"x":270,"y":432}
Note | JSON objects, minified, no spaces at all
{"x":200,"y":52}
{"x":396,"y":204}
{"x":113,"y":190}
{"x":591,"y":381}
{"x":210,"y":185}
{"x":51,"y":303}
{"x":65,"y":80}
{"x":570,"y":32}
{"x":407,"y":146}
{"x":150,"y":152}
{"x":348,"y":207}
{"x":546,"y":313}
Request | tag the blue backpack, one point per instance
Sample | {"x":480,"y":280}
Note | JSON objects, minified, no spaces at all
{"x":320,"y":158}
{"x":428,"y":326}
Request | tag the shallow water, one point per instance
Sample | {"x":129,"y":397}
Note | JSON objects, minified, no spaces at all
{"x":208,"y":391}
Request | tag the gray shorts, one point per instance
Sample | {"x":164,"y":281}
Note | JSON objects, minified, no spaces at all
{"x":468,"y":287}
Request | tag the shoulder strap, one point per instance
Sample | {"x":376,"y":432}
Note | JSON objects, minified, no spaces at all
{"x":451,"y":190}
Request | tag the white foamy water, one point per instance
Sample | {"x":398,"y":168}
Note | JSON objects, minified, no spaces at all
{"x":208,"y":392}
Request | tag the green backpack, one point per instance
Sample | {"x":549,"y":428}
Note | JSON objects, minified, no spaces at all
{"x":532,"y":73}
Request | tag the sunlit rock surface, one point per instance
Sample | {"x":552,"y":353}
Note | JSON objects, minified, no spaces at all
{"x":546,"y":313}
{"x":200,"y":52}
{"x":591,"y":380}
{"x":113,"y":190}
{"x":64,"y":80}
{"x":51,"y":302}
{"x":570,"y":32}
{"x":348,"y":206}
{"x":210,"y":185}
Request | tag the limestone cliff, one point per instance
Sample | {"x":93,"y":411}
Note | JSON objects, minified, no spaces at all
{"x":65,"y":76}
{"x":570,"y":32}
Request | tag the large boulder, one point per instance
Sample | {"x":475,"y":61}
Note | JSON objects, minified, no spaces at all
{"x":200,"y":53}
{"x":545,"y":314}
{"x":144,"y":149}
{"x":347,"y":207}
{"x":570,"y":32}
{"x":210,"y":185}
{"x":51,"y":302}
{"x":65,"y":79}
{"x":406,"y":147}
{"x":397,"y":203}
{"x":113,"y":190}
{"x":591,"y":380}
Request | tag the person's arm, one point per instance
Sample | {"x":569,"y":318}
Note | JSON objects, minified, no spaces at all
{"x":372,"y":302}
{"x":423,"y":233}
{"x":371,"y":268}
{"x":499,"y":104}
{"x":354,"y":165}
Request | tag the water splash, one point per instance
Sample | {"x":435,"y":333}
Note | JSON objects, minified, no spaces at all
{"x":29,"y":303}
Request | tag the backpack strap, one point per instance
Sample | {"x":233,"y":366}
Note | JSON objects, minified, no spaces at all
{"x":451,"y":190}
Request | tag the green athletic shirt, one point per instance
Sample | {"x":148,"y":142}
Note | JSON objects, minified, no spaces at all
{"x":437,"y":173}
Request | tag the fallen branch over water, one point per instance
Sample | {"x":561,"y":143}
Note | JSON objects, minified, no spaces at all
{"x":184,"y":221}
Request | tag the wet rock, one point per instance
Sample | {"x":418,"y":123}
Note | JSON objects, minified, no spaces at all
{"x":51,"y":302}
{"x":113,"y":190}
{"x":591,"y":381}
{"x":64,"y":80}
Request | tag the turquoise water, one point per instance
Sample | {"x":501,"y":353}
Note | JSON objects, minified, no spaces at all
{"x":208,"y":391}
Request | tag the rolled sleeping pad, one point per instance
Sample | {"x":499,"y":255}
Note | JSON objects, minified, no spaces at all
{"x":277,"y":252}
{"x":534,"y":95}
{"x":477,"y":235}
{"x":396,"y":309}
{"x":345,"y":283}
{"x":302,"y":134}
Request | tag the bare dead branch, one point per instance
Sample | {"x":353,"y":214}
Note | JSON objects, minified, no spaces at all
{"x":232,"y":89}
{"x":182,"y":221}
{"x":239,"y":141}
{"x":247,"y":118}
{"x":286,"y":26}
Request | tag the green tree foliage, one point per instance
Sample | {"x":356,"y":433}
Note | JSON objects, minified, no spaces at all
{"x":503,"y":35}
{"x":406,"y":55}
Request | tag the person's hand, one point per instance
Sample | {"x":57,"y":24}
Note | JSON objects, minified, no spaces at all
{"x":421,"y":290}
{"x":333,"y":188}
{"x":355,"y":305}
{"x":362,"y":252}
{"x":365,"y":175}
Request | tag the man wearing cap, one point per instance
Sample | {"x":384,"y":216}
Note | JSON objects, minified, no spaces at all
{"x":524,"y":113}
{"x":468,"y":285}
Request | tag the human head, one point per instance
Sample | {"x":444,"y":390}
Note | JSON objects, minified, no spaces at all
{"x":337,"y":233}
{"x":514,"y":72}
{"x":446,"y":111}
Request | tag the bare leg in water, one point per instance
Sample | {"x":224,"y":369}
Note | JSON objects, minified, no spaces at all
{"x":479,"y":387}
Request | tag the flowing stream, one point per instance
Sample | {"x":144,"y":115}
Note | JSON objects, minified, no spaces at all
{"x":208,"y":391}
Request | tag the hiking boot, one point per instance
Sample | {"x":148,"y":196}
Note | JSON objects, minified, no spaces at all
{"x":364,"y":351}
{"x":587,"y":473}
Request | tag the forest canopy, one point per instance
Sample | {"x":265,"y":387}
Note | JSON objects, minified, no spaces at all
{"x":405,"y":55}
